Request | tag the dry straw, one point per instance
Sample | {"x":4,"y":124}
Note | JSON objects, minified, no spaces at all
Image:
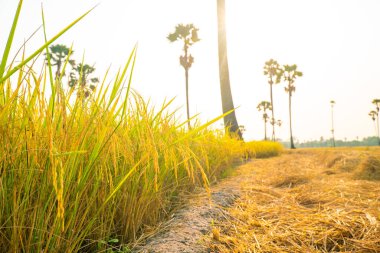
{"x":292,"y":205}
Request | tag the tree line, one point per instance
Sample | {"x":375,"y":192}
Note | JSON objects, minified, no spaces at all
{"x":323,"y":143}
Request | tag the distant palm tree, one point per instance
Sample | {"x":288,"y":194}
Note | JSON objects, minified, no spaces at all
{"x":274,"y":72}
{"x":79,"y":79}
{"x":278,"y":123}
{"x":230,"y":121}
{"x":376,"y":102}
{"x":242,"y":128}
{"x":58,"y":54}
{"x":373,"y":115}
{"x":264,"y":106}
{"x":189,"y":35}
{"x":290,"y":74}
{"x":332,"y":103}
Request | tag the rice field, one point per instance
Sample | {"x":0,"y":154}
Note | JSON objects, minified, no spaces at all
{"x":98,"y":170}
{"x":75,"y":177}
{"x":90,"y":174}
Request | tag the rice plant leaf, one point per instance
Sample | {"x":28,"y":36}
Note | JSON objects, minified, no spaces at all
{"x":38,"y":51}
{"x":10,"y":40}
{"x":72,"y":152}
{"x":120,"y":184}
{"x":8,"y":49}
{"x":204,"y":126}
{"x":66,"y":61}
{"x":47,"y":52}
{"x":185,"y":122}
{"x":120,"y":80}
{"x":100,"y":90}
{"x":163,"y":108}
{"x":134,"y":52}
{"x":24,"y":44}
{"x":53,"y":90}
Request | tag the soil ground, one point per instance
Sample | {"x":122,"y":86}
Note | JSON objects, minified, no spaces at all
{"x":310,"y":200}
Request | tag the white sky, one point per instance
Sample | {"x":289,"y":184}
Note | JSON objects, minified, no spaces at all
{"x":335,"y":43}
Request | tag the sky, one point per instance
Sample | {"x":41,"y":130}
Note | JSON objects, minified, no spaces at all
{"x":335,"y":43}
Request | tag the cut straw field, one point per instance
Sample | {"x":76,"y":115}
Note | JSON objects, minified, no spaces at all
{"x":321,"y":200}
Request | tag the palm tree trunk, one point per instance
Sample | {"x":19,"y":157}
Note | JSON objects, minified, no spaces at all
{"x":271,"y":101}
{"x":187,"y":96}
{"x":378,"y":131}
{"x":332,"y":127}
{"x":58,"y":82}
{"x":186,"y":67}
{"x":230,"y":121}
{"x":82,"y":87}
{"x":290,"y":120}
{"x":265,"y":130}
{"x":58,"y":72}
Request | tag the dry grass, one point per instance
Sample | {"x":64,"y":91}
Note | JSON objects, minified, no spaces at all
{"x":292,"y":205}
{"x":264,"y":149}
{"x":370,"y":168}
{"x":290,"y":181}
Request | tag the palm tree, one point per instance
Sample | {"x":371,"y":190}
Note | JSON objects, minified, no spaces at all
{"x":79,"y":79}
{"x":264,"y":106}
{"x":373,"y":114}
{"x":332,"y":103}
{"x":290,"y":74}
{"x":230,"y":121}
{"x":58,"y":54}
{"x":279,"y":123}
{"x":273,"y":70}
{"x":376,"y":102}
{"x":242,"y":128}
{"x":189,"y":35}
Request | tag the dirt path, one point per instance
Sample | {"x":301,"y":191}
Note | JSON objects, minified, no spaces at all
{"x":303,"y":201}
{"x":188,"y":230}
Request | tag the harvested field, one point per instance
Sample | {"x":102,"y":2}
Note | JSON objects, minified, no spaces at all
{"x":299,"y":202}
{"x":305,"y":201}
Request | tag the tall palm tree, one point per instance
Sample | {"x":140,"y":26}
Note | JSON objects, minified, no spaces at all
{"x":264,"y":106}
{"x":332,"y":103}
{"x":376,"y":102}
{"x":58,"y":54}
{"x":290,"y":75}
{"x":373,"y":114}
{"x":79,"y":79}
{"x":230,"y":121}
{"x":189,"y":35}
{"x":274,"y":72}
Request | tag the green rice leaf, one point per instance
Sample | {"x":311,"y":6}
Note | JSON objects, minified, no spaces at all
{"x":38,"y":51}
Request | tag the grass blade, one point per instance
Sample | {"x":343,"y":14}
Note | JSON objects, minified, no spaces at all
{"x":8,"y":49}
{"x":11,"y":72}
